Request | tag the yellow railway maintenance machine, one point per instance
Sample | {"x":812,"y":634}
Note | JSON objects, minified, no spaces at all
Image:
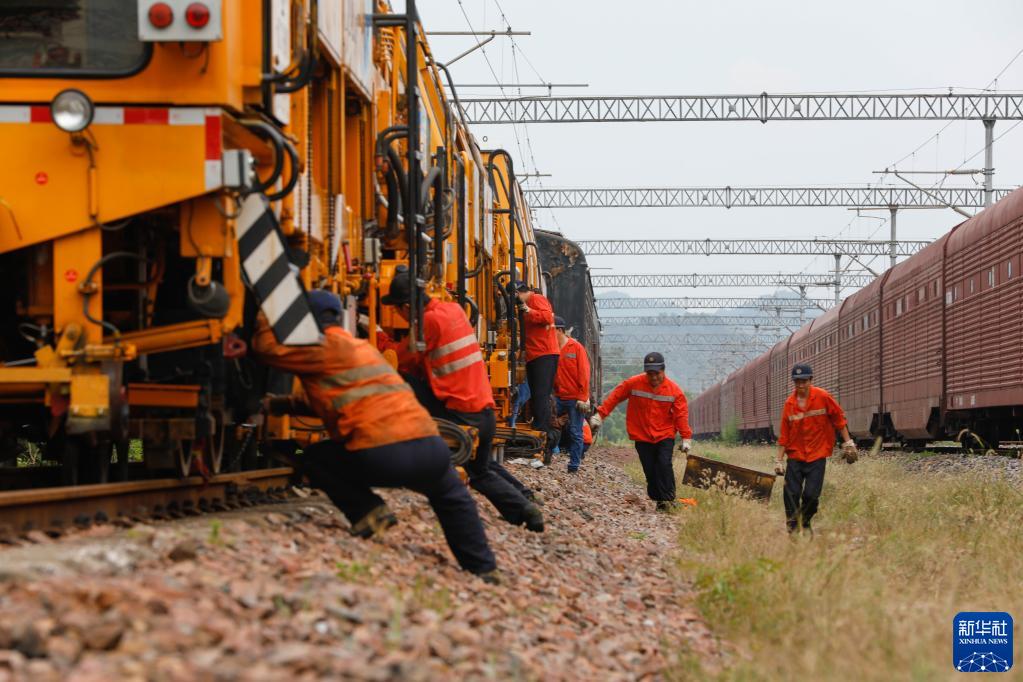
{"x":173,"y":167}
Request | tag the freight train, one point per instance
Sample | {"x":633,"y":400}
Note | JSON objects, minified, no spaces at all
{"x":930,"y":350}
{"x":172,"y":168}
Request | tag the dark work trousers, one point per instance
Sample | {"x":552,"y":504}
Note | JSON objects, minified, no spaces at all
{"x":487,"y":477}
{"x":540,"y":375}
{"x":484,"y":475}
{"x":803,"y":484}
{"x":660,"y":476}
{"x":422,"y":465}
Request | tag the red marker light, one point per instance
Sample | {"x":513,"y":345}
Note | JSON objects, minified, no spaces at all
{"x":197,"y":15}
{"x":42,"y":178}
{"x":71,"y":275}
{"x":161,"y":15}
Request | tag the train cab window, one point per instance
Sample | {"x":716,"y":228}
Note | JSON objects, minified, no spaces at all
{"x":866,"y":322}
{"x":898,"y":307}
{"x":991,"y":277}
{"x":972,"y":285}
{"x":1008,"y":269}
{"x":78,"y":38}
{"x":921,"y":294}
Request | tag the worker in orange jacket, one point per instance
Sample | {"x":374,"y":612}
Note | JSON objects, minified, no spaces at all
{"x":572,"y":391}
{"x":542,"y":353}
{"x":809,"y":420}
{"x":657,"y":410}
{"x":457,"y":388}
{"x":380,"y":436}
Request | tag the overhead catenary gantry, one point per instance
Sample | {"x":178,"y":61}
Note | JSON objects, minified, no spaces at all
{"x":761,"y":197}
{"x":729,"y":280}
{"x":745,"y":247}
{"x":681,"y":341}
{"x":627,"y":303}
{"x":748,"y":321}
{"x":761,"y":108}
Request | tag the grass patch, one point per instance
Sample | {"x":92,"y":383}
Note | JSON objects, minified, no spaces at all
{"x":351,"y":571}
{"x":896,"y":555}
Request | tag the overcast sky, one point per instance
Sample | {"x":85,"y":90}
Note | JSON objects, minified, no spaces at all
{"x":732,"y":47}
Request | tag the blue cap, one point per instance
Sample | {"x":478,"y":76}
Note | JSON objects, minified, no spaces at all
{"x":521,"y":286}
{"x":653,"y":362}
{"x":324,"y":302}
{"x":559,"y":322}
{"x":802,"y":372}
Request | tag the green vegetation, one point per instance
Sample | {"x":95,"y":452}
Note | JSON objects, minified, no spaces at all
{"x":872,"y":596}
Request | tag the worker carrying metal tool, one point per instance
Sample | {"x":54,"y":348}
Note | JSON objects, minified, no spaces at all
{"x":542,"y":354}
{"x":572,"y":391}
{"x":380,"y":436}
{"x":457,"y":388}
{"x":657,"y":410}
{"x":809,"y":420}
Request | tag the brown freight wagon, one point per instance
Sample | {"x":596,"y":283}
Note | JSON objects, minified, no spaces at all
{"x":911,"y":345}
{"x":755,"y":388}
{"x":780,"y":384}
{"x":983,"y":336}
{"x":859,"y":355}
{"x":823,"y":344}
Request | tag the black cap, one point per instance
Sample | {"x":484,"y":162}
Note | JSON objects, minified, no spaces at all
{"x":653,"y":361}
{"x":802,"y":372}
{"x":559,"y":322}
{"x":521,"y":286}
{"x":401,"y":287}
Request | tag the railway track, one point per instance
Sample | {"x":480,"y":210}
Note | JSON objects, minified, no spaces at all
{"x":57,"y":509}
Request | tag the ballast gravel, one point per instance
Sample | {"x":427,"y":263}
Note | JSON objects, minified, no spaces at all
{"x":283,"y":592}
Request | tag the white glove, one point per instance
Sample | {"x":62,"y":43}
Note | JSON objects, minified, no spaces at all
{"x":687,"y":445}
{"x":595,"y":422}
{"x":583,"y":405}
{"x":779,"y":468}
{"x":363,"y":321}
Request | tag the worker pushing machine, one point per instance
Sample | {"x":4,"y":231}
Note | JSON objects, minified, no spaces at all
{"x":809,"y":420}
{"x":572,"y":391}
{"x":657,"y":410}
{"x":380,"y":436}
{"x":542,"y":353}
{"x":457,"y":388}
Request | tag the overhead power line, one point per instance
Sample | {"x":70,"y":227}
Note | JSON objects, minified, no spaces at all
{"x":713,"y":303}
{"x":729,"y":280}
{"x":763,"y":107}
{"x":749,"y":197}
{"x":746,"y":247}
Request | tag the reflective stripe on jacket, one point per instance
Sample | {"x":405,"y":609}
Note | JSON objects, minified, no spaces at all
{"x":541,"y":339}
{"x":808,"y":434}
{"x":572,"y":382}
{"x":360,"y":398}
{"x":654,"y":414}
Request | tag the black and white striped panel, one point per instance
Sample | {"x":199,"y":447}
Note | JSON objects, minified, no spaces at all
{"x":272,"y":277}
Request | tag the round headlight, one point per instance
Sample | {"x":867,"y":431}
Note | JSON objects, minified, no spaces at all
{"x":72,"y":110}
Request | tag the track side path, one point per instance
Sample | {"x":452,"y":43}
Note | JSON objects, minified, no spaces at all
{"x":283,"y":592}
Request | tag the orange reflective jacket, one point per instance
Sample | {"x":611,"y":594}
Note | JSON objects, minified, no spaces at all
{"x":654,"y":414}
{"x":360,"y":398}
{"x":452,"y":360}
{"x":572,"y":382}
{"x":541,"y":339}
{"x":808,"y":433}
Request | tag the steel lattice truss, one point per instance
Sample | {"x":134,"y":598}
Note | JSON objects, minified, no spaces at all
{"x":746,"y":247}
{"x":684,"y":340}
{"x":728,"y":280}
{"x":612,"y":323}
{"x":745,"y":197}
{"x":762,"y":107}
{"x":713,"y":302}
